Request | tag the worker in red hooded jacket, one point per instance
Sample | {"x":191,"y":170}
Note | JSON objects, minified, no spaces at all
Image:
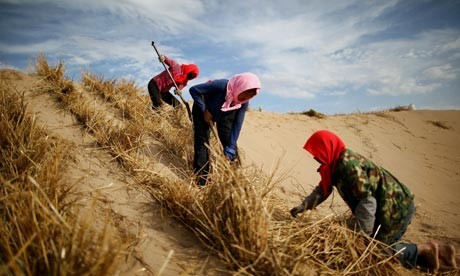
{"x":160,"y":85}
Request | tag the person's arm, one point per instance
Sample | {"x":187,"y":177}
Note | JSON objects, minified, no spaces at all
{"x":362,"y":188}
{"x":198,"y":91}
{"x":315,"y":198}
{"x":365,"y":214}
{"x":170,"y":62}
{"x":231,"y":149}
{"x":174,"y":69}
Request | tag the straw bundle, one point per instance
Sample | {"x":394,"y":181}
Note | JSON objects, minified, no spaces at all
{"x":104,"y":88}
{"x":54,"y":75}
{"x":110,"y":90}
{"x":328,"y":245}
{"x":235,"y":208}
{"x":169,"y":126}
{"x":237,"y":213}
{"x":176,"y":140}
{"x":40,"y":232}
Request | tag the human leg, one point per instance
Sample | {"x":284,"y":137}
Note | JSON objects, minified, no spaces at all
{"x":425,"y":255}
{"x":224,"y":127}
{"x":405,"y":223}
{"x":411,"y":255}
{"x":407,"y":254}
{"x":154,"y":93}
{"x":170,"y":99}
{"x":201,"y":138}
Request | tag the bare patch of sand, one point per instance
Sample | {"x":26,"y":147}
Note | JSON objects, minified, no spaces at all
{"x":413,"y":145}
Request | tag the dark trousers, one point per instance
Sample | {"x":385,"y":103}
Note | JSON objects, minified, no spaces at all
{"x":201,"y":131}
{"x":156,"y":96}
{"x":409,"y":256}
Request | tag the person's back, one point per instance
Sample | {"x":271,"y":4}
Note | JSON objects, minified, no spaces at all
{"x":160,"y":84}
{"x":210,"y":100}
{"x":357,"y":178}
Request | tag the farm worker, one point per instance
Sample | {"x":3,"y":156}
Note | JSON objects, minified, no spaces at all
{"x":224,"y":102}
{"x":160,"y":85}
{"x":375,"y":197}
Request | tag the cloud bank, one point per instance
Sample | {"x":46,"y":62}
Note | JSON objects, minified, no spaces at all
{"x":307,"y":54}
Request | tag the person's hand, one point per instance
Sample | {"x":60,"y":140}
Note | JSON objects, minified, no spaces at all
{"x":230,"y":153}
{"x":177,"y":91}
{"x":161,"y":58}
{"x":207,"y":117}
{"x":296,"y":210}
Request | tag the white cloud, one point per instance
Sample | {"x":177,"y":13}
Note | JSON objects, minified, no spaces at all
{"x":32,"y":48}
{"x":305,"y":52}
{"x":391,"y":67}
{"x":300,"y":49}
{"x":171,"y":16}
{"x":220,"y":74}
{"x":338,"y":93}
{"x":403,"y":87}
{"x":442,"y":72}
{"x":286,"y":85}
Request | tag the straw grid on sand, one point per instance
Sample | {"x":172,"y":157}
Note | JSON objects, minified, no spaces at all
{"x":43,"y":229}
{"x":237,"y":215}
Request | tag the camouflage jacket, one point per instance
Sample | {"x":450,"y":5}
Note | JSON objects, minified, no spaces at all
{"x":373,"y":194}
{"x":357,"y":178}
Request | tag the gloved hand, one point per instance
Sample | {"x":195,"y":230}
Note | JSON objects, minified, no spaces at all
{"x":296,"y":210}
{"x":177,"y":91}
{"x":230,"y":153}
{"x":161,"y":58}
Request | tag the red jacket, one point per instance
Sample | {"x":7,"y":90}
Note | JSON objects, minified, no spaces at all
{"x":179,"y":73}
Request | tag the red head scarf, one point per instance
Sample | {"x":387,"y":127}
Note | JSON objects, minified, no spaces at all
{"x":326,"y":147}
{"x":186,"y":69}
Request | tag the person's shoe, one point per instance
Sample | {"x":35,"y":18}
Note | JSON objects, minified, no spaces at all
{"x":429,"y":256}
{"x":447,"y":254}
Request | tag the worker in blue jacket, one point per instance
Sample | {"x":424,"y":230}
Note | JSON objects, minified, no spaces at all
{"x":224,"y":102}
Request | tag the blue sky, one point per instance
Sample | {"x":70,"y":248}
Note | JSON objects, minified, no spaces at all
{"x":331,"y":56}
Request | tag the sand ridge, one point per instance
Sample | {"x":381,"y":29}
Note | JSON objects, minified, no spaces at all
{"x":419,"y":147}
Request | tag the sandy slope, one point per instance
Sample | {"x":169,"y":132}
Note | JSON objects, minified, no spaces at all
{"x":422,"y":155}
{"x":96,"y":176}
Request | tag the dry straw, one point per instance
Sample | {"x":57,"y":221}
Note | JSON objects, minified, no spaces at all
{"x":41,"y":231}
{"x":238,"y":215}
{"x":169,"y":127}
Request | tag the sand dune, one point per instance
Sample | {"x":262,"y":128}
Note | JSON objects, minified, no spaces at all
{"x":421,"y":148}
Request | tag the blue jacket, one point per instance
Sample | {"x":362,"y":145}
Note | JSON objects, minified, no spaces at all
{"x":211,"y":96}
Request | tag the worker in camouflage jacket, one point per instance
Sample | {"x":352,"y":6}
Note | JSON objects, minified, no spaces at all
{"x":382,"y":205}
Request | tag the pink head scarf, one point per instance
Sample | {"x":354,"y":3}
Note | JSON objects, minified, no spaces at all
{"x":236,"y":85}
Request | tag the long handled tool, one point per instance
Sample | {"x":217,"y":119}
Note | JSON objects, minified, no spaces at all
{"x":177,"y":92}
